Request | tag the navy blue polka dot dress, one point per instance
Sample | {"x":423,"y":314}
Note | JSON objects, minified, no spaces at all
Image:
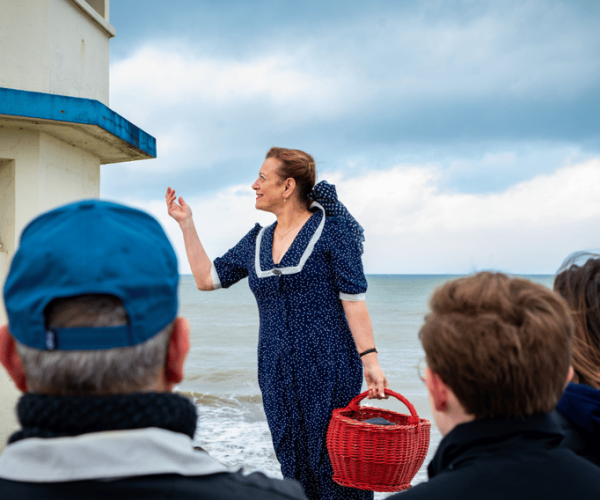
{"x":307,"y":359}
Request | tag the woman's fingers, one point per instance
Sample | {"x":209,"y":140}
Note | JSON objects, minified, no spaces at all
{"x":382,"y":393}
{"x":170,"y":196}
{"x":379,"y":393}
{"x":173,"y":209}
{"x":377,"y":383}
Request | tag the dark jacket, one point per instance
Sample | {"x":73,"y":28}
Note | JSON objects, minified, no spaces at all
{"x":578,"y":414}
{"x":220,"y":486}
{"x":507,"y":459}
{"x":128,"y":464}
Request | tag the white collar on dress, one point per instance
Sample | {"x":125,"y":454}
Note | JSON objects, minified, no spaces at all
{"x":276,"y":271}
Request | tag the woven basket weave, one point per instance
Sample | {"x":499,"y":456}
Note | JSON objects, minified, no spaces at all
{"x":376,"y":457}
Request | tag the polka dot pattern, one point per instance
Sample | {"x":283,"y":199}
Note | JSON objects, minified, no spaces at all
{"x":307,"y":360}
{"x":326,"y":194}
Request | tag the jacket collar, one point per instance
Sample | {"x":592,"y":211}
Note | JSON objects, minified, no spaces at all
{"x":474,"y":439}
{"x":581,"y":404}
{"x":105,"y":455}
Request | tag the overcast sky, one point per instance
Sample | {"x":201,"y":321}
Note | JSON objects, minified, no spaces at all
{"x":462,"y":135}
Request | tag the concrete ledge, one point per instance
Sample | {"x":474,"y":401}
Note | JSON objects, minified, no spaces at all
{"x":97,"y":18}
{"x":84,"y":123}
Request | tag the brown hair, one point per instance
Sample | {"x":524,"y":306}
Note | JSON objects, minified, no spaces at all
{"x":502,"y":345}
{"x":579,"y":285}
{"x":298,"y":165}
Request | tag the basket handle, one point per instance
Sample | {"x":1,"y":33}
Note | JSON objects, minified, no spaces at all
{"x":414,"y":417}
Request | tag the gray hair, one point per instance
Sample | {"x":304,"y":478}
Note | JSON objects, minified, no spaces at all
{"x":78,"y":373}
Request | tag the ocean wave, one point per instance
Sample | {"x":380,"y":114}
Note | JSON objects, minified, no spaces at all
{"x":214,"y":400}
{"x":234,"y":431}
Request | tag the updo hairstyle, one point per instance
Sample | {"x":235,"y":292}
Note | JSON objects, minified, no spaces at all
{"x":298,"y":165}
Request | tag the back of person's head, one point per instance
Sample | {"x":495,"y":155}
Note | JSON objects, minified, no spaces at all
{"x":578,"y":282}
{"x":297,"y":165}
{"x":119,"y":370}
{"x":91,"y":297}
{"x":501,"y":344}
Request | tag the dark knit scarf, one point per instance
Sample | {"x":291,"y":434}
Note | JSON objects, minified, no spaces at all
{"x":58,"y":416}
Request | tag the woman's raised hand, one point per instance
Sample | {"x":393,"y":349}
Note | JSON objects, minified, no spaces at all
{"x":180,"y":212}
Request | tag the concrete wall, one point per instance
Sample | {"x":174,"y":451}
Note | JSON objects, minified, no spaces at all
{"x":55,"y":46}
{"x":8,"y":392}
{"x":37,"y":173}
{"x":7,"y":215}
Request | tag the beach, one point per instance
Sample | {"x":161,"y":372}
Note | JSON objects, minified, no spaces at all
{"x":221,"y":369}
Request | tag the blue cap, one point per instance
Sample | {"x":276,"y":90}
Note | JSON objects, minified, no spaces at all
{"x":92,"y":247}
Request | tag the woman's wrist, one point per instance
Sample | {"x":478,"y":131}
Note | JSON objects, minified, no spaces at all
{"x":370,"y":360}
{"x":186,"y":223}
{"x":366,"y":352}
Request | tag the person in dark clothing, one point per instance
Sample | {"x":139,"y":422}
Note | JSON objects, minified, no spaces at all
{"x":578,"y":411}
{"x":578,"y":414}
{"x":498,"y":357}
{"x":95,"y":344}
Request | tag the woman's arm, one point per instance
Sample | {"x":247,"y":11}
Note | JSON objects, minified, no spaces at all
{"x":199,"y":261}
{"x":361,"y":328}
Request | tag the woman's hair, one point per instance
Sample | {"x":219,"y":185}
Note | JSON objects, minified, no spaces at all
{"x":502,"y":345}
{"x":298,"y":165}
{"x":578,"y":282}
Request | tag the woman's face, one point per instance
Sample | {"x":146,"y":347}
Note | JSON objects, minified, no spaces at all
{"x":269,"y":186}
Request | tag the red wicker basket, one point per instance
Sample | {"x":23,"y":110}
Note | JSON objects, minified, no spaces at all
{"x":376,"y":457}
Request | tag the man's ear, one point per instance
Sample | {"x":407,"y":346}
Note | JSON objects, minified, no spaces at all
{"x":570,"y":375}
{"x":10,"y":359}
{"x":179,"y":346}
{"x":437,"y":390}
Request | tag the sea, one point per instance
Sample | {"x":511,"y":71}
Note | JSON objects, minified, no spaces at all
{"x":221,"y":368}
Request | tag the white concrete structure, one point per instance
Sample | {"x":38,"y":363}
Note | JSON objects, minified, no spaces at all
{"x":55,"y":125}
{"x":56,"y":47}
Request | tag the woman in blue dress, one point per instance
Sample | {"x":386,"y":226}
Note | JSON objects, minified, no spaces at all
{"x":315,"y":336}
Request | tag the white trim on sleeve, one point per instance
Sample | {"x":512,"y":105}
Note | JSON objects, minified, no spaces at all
{"x":215,"y":276}
{"x":353,"y":297}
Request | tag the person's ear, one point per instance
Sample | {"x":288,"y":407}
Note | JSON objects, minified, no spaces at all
{"x":9,"y":357}
{"x":570,"y":375}
{"x":437,"y":390}
{"x":290,"y":185}
{"x":179,"y":346}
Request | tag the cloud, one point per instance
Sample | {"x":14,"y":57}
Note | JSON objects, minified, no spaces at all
{"x":493,"y":93}
{"x":215,"y":79}
{"x":527,"y":228}
{"x":413,"y":227}
{"x":176,"y":76}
